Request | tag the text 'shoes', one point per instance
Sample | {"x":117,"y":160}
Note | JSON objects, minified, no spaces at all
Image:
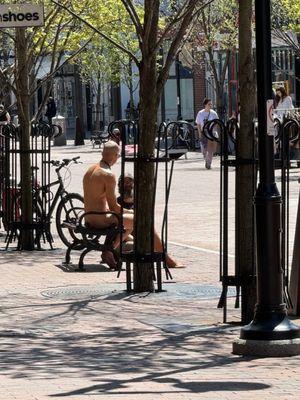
{"x":10,"y":17}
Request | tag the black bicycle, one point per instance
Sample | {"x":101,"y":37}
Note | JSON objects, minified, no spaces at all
{"x":69,"y":205}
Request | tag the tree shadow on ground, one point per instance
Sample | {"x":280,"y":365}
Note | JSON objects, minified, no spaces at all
{"x":101,"y":341}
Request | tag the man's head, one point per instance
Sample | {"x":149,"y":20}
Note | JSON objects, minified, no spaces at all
{"x":1,"y":108}
{"x":111,"y":152}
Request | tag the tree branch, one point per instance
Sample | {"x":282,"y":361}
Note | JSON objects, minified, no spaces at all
{"x":112,"y":41}
{"x":49,"y":76}
{"x":175,"y":44}
{"x":177,"y":19}
{"x":134,"y":17}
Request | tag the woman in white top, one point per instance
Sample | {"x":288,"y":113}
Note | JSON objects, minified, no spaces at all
{"x":283,"y":102}
{"x":208,"y":146}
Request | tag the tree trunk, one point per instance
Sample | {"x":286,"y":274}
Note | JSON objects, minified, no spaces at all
{"x":131,"y":101}
{"x":5,"y":91}
{"x":98,"y":106}
{"x":143,"y":273}
{"x":80,"y":126}
{"x":22,"y":83}
{"x":219,"y":100}
{"x":245,"y":179}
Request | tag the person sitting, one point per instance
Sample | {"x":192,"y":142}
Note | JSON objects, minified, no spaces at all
{"x":126,"y":193}
{"x":99,"y":184}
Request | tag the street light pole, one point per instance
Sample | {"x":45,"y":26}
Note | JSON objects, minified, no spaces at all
{"x":270,"y":322}
{"x":177,"y":69}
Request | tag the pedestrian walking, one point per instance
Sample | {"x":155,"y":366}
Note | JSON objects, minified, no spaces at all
{"x":208,"y":146}
{"x":282,"y":102}
{"x":50,"y":109}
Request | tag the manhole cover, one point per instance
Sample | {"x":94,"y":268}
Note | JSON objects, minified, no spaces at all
{"x":193,"y":291}
{"x":81,"y":291}
{"x":116,"y":291}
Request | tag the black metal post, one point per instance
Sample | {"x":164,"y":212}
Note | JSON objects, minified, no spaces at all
{"x":177,"y":69}
{"x":270,"y":319}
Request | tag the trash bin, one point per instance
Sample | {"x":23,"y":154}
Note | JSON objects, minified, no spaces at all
{"x":60,"y":140}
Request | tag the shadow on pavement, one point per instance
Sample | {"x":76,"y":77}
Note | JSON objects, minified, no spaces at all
{"x":88,"y":268}
{"x":89,"y":340}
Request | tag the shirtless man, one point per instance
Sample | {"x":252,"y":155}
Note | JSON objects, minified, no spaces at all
{"x":99,"y":184}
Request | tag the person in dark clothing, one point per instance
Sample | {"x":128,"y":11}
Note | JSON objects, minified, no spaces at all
{"x":125,"y":199}
{"x":50,"y":109}
{"x":4,"y":115}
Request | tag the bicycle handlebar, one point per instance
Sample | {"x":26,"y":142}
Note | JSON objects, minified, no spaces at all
{"x":64,"y":162}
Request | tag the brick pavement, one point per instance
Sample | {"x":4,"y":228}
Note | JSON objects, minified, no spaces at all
{"x":138,"y":347}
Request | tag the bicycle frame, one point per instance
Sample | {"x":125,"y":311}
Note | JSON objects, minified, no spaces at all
{"x":44,"y":190}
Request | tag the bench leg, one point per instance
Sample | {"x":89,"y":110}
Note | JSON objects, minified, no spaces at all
{"x":68,"y":254}
{"x":74,"y":246}
{"x":80,"y":263}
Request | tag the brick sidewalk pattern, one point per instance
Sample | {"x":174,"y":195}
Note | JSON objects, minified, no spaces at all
{"x":80,"y":336}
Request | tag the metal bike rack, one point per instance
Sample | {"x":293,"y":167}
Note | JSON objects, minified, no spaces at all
{"x":177,"y":135}
{"x":130,"y":129}
{"x":11,"y":192}
{"x":225,"y":133}
{"x":287,"y":131}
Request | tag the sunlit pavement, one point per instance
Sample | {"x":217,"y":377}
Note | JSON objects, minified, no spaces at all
{"x":76,"y":335}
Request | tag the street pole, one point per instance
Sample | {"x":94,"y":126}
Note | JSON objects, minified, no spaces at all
{"x":177,"y":69}
{"x":270,"y":322}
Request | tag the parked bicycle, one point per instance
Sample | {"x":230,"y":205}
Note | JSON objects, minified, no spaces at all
{"x":69,"y":205}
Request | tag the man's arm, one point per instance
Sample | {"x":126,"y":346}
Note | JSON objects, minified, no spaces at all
{"x":110,"y":187}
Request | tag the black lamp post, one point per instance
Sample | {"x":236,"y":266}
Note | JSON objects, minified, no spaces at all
{"x":177,"y":69}
{"x":270,"y":319}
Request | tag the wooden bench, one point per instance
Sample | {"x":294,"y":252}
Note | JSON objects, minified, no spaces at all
{"x":87,"y":239}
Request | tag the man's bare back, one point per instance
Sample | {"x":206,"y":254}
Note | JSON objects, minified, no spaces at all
{"x":95,"y":182}
{"x":99,"y":185}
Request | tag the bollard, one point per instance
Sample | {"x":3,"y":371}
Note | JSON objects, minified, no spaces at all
{"x":60,"y":140}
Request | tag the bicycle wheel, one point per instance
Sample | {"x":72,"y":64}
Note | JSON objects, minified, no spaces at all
{"x":68,"y":211}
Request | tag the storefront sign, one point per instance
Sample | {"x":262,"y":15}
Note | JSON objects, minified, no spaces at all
{"x":21,"y":15}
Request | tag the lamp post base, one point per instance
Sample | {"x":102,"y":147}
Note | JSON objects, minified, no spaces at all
{"x":266,"y":348}
{"x":270,"y":326}
{"x":270,"y":334}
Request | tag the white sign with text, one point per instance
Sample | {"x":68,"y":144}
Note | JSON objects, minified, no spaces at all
{"x":21,"y":15}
